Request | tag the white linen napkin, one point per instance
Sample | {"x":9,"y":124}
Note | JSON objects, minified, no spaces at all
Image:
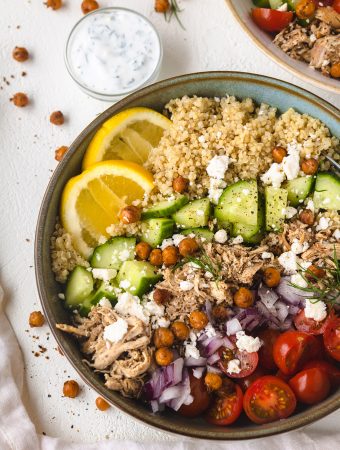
{"x":17,"y":432}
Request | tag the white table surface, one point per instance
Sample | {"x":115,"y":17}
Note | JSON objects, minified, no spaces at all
{"x":212,"y":41}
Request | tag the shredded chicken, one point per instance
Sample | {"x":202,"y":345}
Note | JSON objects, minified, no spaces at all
{"x":329,"y":16}
{"x":124,"y":362}
{"x":294,"y":41}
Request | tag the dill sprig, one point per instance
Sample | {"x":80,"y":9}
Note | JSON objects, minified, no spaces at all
{"x":173,"y":11}
{"x":204,"y":262}
{"x":326,"y":289}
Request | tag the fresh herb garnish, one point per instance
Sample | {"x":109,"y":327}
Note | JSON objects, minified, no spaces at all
{"x":173,"y":11}
{"x":326,"y":289}
{"x":204,"y":262}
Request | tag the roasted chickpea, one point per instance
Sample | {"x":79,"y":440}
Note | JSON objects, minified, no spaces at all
{"x":309,"y":166}
{"x":213,"y":381}
{"x":314,"y":272}
{"x":220,"y":312}
{"x":188,"y":246}
{"x":71,"y":389}
{"x":198,"y":320}
{"x":243,"y":298}
{"x":170,"y":255}
{"x":335,"y":70}
{"x":54,"y":4}
{"x":161,"y":296}
{"x":57,"y":118}
{"x":89,"y":5}
{"x":271,"y":277}
{"x":36,"y":319}
{"x":161,"y":6}
{"x":164,"y":356}
{"x":102,"y":404}
{"x":305,"y":9}
{"x":163,"y":337}
{"x":156,"y":257}
{"x":20,"y":99}
{"x":130,"y":214}
{"x":180,"y":330}
{"x":20,"y":54}
{"x":143,"y":250}
{"x":60,"y":152}
{"x":307,"y":217}
{"x":278,"y":153}
{"x":180,"y":184}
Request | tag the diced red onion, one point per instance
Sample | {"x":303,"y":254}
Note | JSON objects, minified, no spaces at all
{"x":281,"y":311}
{"x":267,"y":296}
{"x":195,"y":362}
{"x":208,"y":310}
{"x":198,"y":372}
{"x":227,"y":343}
{"x":171,"y":393}
{"x":233,"y":326}
{"x":213,"y":369}
{"x":214,"y":345}
{"x":154,"y":405}
{"x":213,"y":359}
{"x":290,"y":294}
{"x":163,"y":378}
{"x":183,"y":394}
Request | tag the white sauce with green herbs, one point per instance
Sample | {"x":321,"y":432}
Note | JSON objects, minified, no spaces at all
{"x":113,"y":52}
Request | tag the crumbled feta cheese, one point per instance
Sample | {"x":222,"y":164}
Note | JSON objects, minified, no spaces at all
{"x":288,"y":262}
{"x":234,"y":366}
{"x":102,"y":240}
{"x":305,"y":264}
{"x":266,"y":255}
{"x":247,"y":343}
{"x":163,"y":322}
{"x":336,"y":234}
{"x":154,"y":309}
{"x":192,"y":351}
{"x":198,"y":372}
{"x":167,"y":243}
{"x":298,"y":248}
{"x":210,"y":330}
{"x":177,"y":239}
{"x":218,"y":166}
{"x":316,"y":311}
{"x":124,"y":255}
{"x":298,"y":280}
{"x":323,"y":224}
{"x":129,"y":305}
{"x":115,"y":331}
{"x":61,"y":296}
{"x":125,"y":284}
{"x":290,"y":212}
{"x":312,"y":38}
{"x":237,"y":240}
{"x":221,"y":236}
{"x":104,"y":302}
{"x":200,"y":212}
{"x":104,"y":274}
{"x":186,"y":285}
{"x":274,"y":175}
{"x":291,"y":163}
{"x":310,"y":205}
{"x":216,"y":189}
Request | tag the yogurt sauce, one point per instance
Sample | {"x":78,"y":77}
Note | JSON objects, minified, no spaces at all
{"x":113,"y":51}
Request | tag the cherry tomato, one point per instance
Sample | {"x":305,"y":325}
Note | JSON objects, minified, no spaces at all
{"x":336,"y":6}
{"x":248,"y":361}
{"x":227,"y":404}
{"x":245,"y":382}
{"x":268,"y":337}
{"x":331,"y":338}
{"x":292,"y":349}
{"x":269,"y":399}
{"x":311,"y":326}
{"x":201,"y":397}
{"x":310,"y":386}
{"x":332,"y":371}
{"x":270,"y":19}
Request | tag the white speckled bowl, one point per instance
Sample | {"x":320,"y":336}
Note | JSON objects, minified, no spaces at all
{"x":241,"y":11}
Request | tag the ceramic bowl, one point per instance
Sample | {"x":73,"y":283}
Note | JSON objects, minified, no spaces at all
{"x":262,"y":89}
{"x":241,"y":11}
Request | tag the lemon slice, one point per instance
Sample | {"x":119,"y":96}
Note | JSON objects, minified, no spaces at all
{"x":92,"y":200}
{"x":129,"y":135}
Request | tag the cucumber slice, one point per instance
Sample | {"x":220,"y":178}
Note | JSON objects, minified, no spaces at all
{"x":156,"y":230}
{"x":276,"y":203}
{"x":261,"y":3}
{"x":251,"y":234}
{"x":327,"y":191}
{"x":194,"y":214}
{"x":203,"y":233}
{"x":139,"y":275}
{"x":238,"y":203}
{"x":299,"y":189}
{"x":274,"y":4}
{"x":292,"y":4}
{"x":79,"y":286}
{"x":166,"y":208}
{"x":106,"y":290}
{"x":113,"y":253}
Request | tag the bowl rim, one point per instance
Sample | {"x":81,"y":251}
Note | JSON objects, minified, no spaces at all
{"x":279,"y":61}
{"x":160,"y":422}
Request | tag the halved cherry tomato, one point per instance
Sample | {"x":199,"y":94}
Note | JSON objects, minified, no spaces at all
{"x":332,"y":371}
{"x":227,"y":404}
{"x":310,"y":326}
{"x":269,"y":399}
{"x":245,"y":382}
{"x":292,"y":349}
{"x":336,"y":6}
{"x":310,"y":386}
{"x":331,"y":338}
{"x":270,"y":19}
{"x":268,"y":337}
{"x":248,"y":361}
{"x":201,"y":397}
